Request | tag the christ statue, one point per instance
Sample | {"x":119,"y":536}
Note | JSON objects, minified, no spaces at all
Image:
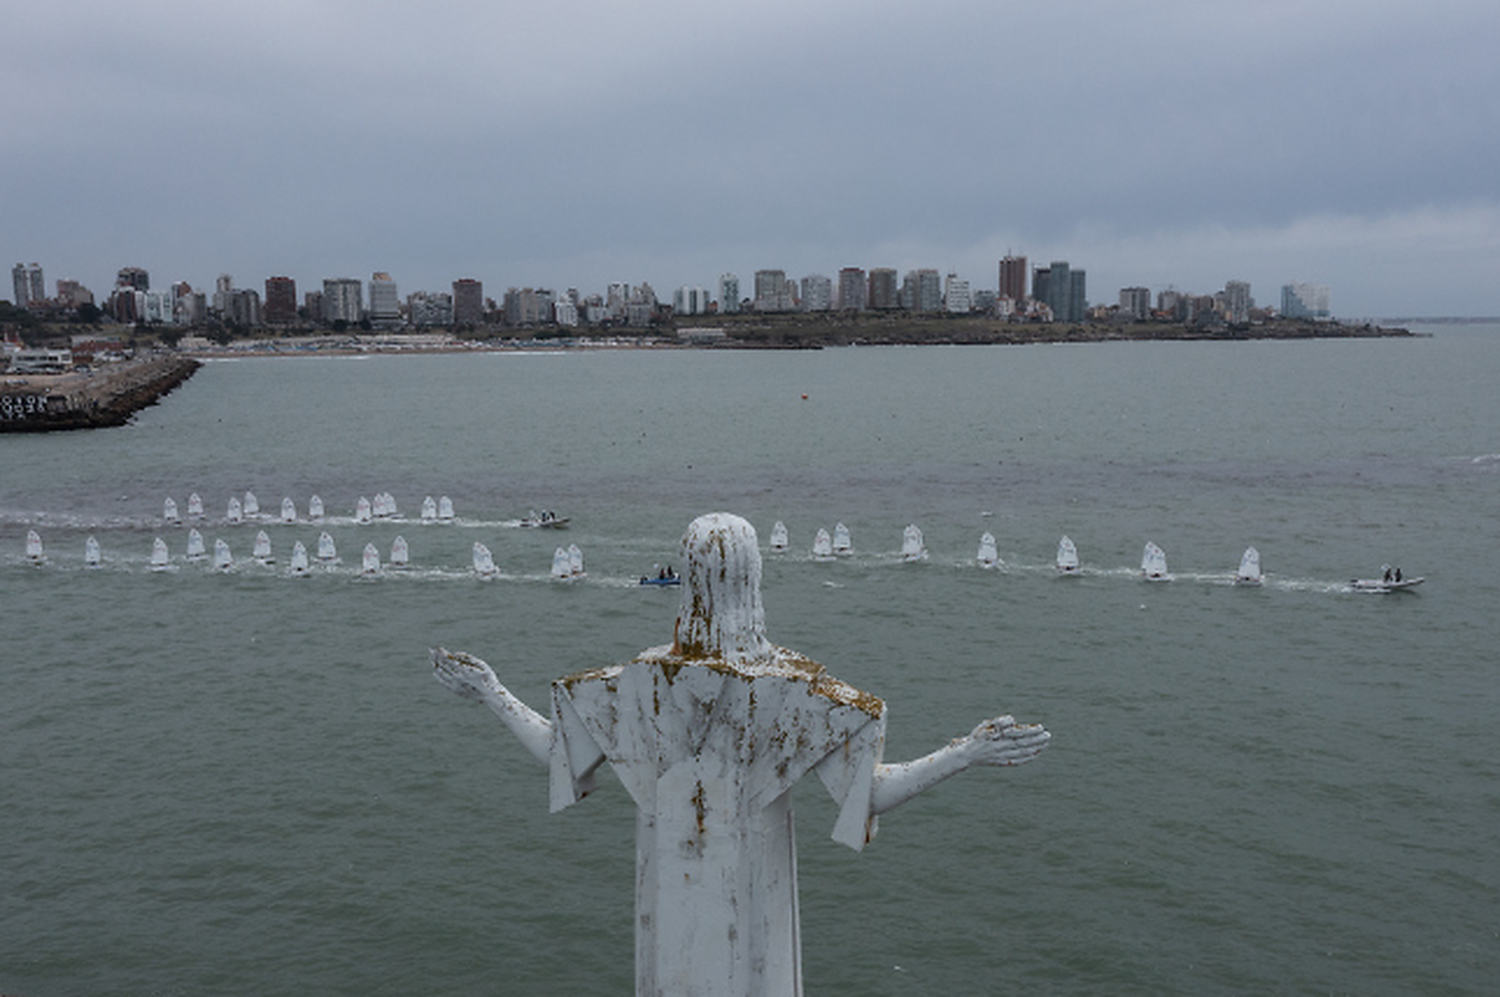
{"x":708,"y":734}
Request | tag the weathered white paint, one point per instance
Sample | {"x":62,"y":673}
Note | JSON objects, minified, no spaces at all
{"x":708,"y":735}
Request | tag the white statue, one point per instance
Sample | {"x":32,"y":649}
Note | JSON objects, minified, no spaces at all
{"x":708,"y":735}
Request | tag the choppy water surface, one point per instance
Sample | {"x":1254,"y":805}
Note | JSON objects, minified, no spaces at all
{"x":247,"y":782}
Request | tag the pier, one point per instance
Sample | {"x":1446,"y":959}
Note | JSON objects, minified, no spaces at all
{"x":88,"y":399}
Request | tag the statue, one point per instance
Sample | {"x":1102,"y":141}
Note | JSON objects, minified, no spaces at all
{"x":708,"y":735}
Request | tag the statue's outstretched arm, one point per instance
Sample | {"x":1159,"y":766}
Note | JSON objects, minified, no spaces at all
{"x":1000,"y":741}
{"x":473,"y":679}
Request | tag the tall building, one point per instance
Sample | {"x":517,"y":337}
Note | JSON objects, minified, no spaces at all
{"x":771,"y":293}
{"x":1237,"y":302}
{"x":688,"y":300}
{"x":1135,"y":302}
{"x":223,"y":290}
{"x":30,"y":288}
{"x":1302,"y":300}
{"x":729,"y":293}
{"x":852,"y":289}
{"x":532,"y":306}
{"x":430,"y":309}
{"x":929,"y":291}
{"x":71,"y":294}
{"x":956,"y":297}
{"x":1013,"y":278}
{"x":133,"y":277}
{"x":885,"y":294}
{"x":1062,"y":289}
{"x":343,"y":301}
{"x":385,"y":304}
{"x":468,"y":301}
{"x":817,"y":293}
{"x":281,"y":301}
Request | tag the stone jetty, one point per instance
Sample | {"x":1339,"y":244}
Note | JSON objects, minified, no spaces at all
{"x":88,"y":399}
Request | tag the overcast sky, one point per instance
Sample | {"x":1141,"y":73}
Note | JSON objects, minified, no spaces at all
{"x":575,"y":142}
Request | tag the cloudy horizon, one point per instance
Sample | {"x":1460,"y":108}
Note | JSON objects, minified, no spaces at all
{"x":1158,"y":143}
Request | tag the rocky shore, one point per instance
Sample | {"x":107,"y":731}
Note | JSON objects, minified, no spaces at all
{"x":91,"y":399}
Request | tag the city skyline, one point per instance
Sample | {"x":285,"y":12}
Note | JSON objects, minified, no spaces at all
{"x":1158,"y":142}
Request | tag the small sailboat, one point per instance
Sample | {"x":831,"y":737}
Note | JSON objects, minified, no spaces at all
{"x":160,"y":560}
{"x":484,"y":563}
{"x":262,"y":549}
{"x":252,"y":506}
{"x":315,"y":508}
{"x":575,"y":561}
{"x":388,"y":504}
{"x":1249,"y":573}
{"x":912,"y":548}
{"x":363,"y":510}
{"x":988,"y":556}
{"x":1154,"y":564}
{"x":841,"y":544}
{"x":34,"y":546}
{"x":445,"y":509}
{"x":1067,"y":557}
{"x":822,"y":546}
{"x":222,"y":560}
{"x":195,"y":548}
{"x":561,"y":566}
{"x":91,"y":555}
{"x":169,"y":512}
{"x":298,"y":564}
{"x":326,"y":551}
{"x":429,"y":510}
{"x":195,"y":506}
{"x":778,"y":536}
{"x":370,"y":562}
{"x":288,"y":510}
{"x":400,"y":555}
{"x":236,"y":513}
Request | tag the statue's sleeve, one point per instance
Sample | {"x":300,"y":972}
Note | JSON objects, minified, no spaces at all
{"x":575,"y":755}
{"x":848,"y":773}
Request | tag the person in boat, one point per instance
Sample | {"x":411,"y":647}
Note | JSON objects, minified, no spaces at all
{"x":1398,"y":576}
{"x":1387,"y":572}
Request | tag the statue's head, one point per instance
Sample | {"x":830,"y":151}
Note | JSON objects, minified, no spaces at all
{"x":721,"y":615}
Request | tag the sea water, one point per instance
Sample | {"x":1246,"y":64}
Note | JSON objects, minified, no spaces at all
{"x":248,"y":782}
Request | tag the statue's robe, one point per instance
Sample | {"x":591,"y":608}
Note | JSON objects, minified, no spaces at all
{"x":709,"y":751}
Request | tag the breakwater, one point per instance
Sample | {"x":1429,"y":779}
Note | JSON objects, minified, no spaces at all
{"x":89,"y":399}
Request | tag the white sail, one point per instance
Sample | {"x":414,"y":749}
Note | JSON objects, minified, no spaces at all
{"x":222,"y":560}
{"x":377,"y":504}
{"x":299,"y":559}
{"x":1249,"y":573}
{"x":388,"y":503}
{"x":235,"y":514}
{"x":429,"y":509}
{"x":288,"y":510}
{"x":778,"y":536}
{"x":262,"y":549}
{"x":370,"y":562}
{"x":33,"y":545}
{"x":195,"y":548}
{"x":484,"y":563}
{"x":315,"y":508}
{"x":841,"y":544}
{"x":159,"y":557}
{"x":912,"y":548}
{"x":562,"y":567}
{"x":362,"y":510}
{"x":326,"y":550}
{"x":987,"y":556}
{"x":1067,"y":556}
{"x":445,"y":508}
{"x":252,"y":507}
{"x":1154,"y":563}
{"x":195,"y":506}
{"x":400,"y":556}
{"x":575,"y":561}
{"x":91,"y":555}
{"x":169,"y":511}
{"x":822,"y":546}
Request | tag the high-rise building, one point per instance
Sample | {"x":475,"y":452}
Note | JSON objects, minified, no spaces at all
{"x":885,"y":294}
{"x":1303,"y":300}
{"x":1062,"y":289}
{"x":385,"y":304}
{"x":929,"y":291}
{"x":343,"y":301}
{"x":281,"y":301}
{"x":687,"y":300}
{"x":956,"y":297}
{"x":817,"y":293}
{"x":30,"y":288}
{"x":468,"y":301}
{"x":71,"y":294}
{"x":852,"y":289}
{"x":430,"y":309}
{"x":133,"y":277}
{"x":1135,"y":302}
{"x":1013,"y":278}
{"x":1237,"y":302}
{"x":729,"y":293}
{"x":771,"y":291}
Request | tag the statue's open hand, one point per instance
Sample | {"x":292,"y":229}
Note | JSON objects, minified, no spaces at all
{"x":1002,"y":741}
{"x":464,"y":674}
